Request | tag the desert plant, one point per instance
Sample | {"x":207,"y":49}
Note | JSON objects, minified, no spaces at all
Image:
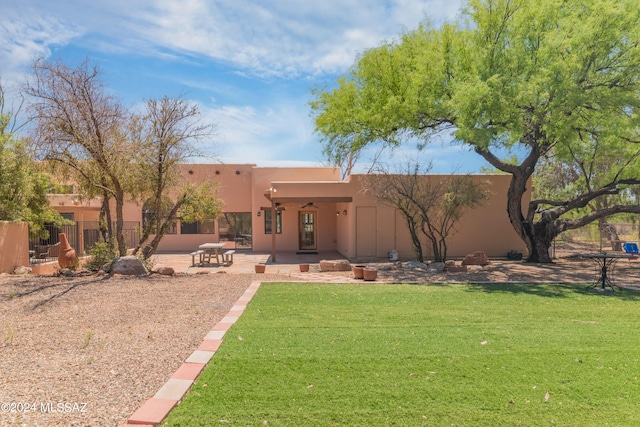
{"x":102,"y":253}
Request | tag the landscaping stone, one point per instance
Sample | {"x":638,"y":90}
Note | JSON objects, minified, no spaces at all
{"x":335,"y":265}
{"x":438,"y":266}
{"x":22,"y":270}
{"x":414,"y":264}
{"x":456,"y":268}
{"x":165,"y":271}
{"x":476,"y":258}
{"x":128,"y":266}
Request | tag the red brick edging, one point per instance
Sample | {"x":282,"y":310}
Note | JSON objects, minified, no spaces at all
{"x":156,"y":409}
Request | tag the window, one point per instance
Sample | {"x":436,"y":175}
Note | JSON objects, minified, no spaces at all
{"x":267,"y":222}
{"x":199,"y":227}
{"x":236,"y":227}
{"x":149,"y":215}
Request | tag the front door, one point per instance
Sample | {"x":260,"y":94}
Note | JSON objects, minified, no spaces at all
{"x":307,"y":231}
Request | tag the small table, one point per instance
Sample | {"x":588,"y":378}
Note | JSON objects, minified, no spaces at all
{"x":211,"y":249}
{"x":605,"y":263}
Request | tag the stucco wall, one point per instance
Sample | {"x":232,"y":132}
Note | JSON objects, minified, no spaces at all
{"x":14,"y":245}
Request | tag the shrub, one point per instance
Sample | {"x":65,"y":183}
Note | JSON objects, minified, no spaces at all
{"x":101,"y":253}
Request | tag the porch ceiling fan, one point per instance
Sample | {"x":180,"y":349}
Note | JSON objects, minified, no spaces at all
{"x":308,"y":205}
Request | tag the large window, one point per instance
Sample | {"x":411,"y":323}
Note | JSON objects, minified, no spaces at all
{"x":199,"y":227}
{"x":236,"y":227}
{"x":149,"y":214}
{"x":267,"y":221}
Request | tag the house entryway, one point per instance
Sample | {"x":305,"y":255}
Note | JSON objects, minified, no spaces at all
{"x":307,"y":231}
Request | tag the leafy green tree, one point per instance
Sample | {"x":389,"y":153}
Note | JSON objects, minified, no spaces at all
{"x":544,"y":78}
{"x":23,"y":187}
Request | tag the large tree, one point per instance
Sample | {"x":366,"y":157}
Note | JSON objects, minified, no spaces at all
{"x":166,"y":135}
{"x":80,"y":128}
{"x":548,"y":79}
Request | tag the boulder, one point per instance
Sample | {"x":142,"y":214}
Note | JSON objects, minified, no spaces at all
{"x":414,"y":264}
{"x":476,"y":258}
{"x":456,"y":268}
{"x":128,"y":266}
{"x":335,"y":265}
{"x":437,"y":266}
{"x":165,"y":271}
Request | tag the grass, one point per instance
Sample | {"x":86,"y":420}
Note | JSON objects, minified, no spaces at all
{"x":407,"y":355}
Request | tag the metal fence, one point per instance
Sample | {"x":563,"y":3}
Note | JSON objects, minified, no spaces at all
{"x":82,"y":236}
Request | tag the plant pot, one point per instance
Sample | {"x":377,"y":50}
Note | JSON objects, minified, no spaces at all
{"x":304,"y":268}
{"x":370,"y":274}
{"x":358,"y":272}
{"x":260,"y":268}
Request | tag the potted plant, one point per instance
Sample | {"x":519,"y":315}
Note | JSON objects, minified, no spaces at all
{"x":260,"y":268}
{"x":358,"y":271}
{"x":304,"y":268}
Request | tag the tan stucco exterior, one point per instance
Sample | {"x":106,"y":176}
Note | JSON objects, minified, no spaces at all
{"x":14,"y":245}
{"x":344,"y":219}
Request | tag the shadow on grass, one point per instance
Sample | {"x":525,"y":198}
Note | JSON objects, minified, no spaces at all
{"x":554,"y":290}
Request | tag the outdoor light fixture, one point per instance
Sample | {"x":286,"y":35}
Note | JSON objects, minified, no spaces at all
{"x":344,"y":212}
{"x":259,"y":213}
{"x":337,"y":213}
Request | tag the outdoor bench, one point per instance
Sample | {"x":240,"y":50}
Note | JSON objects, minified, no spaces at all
{"x":227,"y":257}
{"x":199,"y":254}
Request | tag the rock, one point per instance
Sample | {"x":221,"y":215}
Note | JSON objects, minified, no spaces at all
{"x":474,"y":268}
{"x":67,"y":257}
{"x":66,"y":272}
{"x":414,"y":264}
{"x":22,"y":270}
{"x":128,"y":266}
{"x":335,"y":265}
{"x":476,"y":258}
{"x":165,"y":271}
{"x":437,"y":266}
{"x":456,"y":268}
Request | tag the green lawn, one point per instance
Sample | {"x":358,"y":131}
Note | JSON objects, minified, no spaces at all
{"x":407,"y":355}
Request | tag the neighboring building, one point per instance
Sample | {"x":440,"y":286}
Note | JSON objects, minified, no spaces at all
{"x":316,"y":211}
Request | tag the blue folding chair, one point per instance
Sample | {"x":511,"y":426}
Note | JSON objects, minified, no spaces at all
{"x":632,"y":249}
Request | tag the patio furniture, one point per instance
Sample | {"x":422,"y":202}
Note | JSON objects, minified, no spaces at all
{"x":632,"y":249}
{"x":199,"y":253}
{"x":227,"y":257}
{"x":604,"y":264}
{"x":211,"y":250}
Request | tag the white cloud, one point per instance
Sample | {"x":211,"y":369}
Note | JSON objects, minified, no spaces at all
{"x":25,"y":35}
{"x":275,"y":37}
{"x":250,"y":134}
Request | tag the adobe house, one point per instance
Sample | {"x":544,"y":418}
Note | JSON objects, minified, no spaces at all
{"x":316,"y":211}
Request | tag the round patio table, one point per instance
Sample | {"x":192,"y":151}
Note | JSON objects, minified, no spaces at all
{"x":604,"y":262}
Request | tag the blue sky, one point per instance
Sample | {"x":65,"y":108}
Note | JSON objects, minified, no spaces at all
{"x":248,"y":64}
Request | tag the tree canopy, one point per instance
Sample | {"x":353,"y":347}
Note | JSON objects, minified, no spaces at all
{"x":556,"y":81}
{"x":23,"y":187}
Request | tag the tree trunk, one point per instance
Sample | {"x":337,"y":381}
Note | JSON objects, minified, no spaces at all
{"x":122,"y":244}
{"x":610,"y":233}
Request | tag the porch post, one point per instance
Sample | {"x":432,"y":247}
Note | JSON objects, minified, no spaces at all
{"x":273,"y":230}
